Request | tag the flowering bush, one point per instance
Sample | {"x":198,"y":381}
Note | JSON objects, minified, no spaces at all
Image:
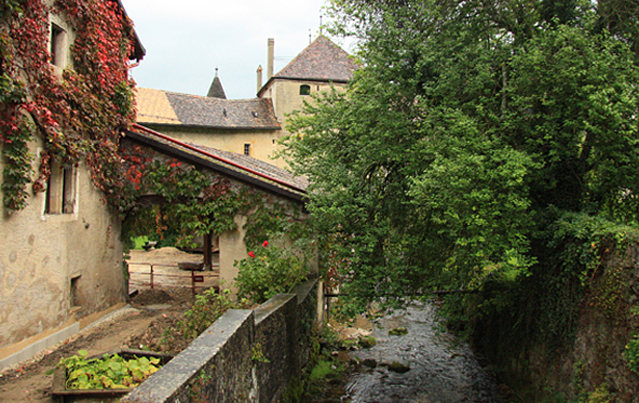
{"x":269,"y":270}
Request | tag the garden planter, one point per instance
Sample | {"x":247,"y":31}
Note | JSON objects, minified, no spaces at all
{"x":64,"y":395}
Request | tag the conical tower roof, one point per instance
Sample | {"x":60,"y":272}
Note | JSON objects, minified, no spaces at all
{"x":216,"y":90}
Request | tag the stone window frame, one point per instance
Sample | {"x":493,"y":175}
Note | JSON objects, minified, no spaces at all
{"x":61,"y":192}
{"x":60,"y":40}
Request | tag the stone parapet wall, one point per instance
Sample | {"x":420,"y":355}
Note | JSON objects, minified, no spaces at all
{"x":224,"y":363}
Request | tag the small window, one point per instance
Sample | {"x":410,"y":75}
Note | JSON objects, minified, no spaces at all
{"x":58,"y":46}
{"x":305,"y":89}
{"x":76,"y":296}
{"x":247,"y":149}
{"x":61,"y":190}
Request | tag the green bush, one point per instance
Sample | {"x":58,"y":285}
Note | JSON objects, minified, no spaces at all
{"x":206,"y":309}
{"x":632,"y":354}
{"x":268,"y":271}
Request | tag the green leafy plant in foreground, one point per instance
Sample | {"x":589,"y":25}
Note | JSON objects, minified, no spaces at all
{"x":108,"y":372}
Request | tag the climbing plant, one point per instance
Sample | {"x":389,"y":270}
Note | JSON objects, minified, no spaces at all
{"x":79,"y":115}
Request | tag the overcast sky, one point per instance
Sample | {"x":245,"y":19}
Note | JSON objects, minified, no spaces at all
{"x":186,"y":40}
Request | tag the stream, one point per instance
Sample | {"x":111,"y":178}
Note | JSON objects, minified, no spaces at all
{"x":442,"y":368}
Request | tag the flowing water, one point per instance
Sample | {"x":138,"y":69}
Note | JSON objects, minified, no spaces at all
{"x":442,"y":369}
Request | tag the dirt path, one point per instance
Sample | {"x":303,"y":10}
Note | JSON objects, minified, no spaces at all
{"x":125,"y":328}
{"x":140,"y":323}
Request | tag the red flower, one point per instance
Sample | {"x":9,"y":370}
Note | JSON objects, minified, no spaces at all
{"x":265,"y":244}
{"x":251,"y":254}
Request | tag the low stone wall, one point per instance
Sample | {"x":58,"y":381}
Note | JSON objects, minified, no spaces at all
{"x":224,"y":363}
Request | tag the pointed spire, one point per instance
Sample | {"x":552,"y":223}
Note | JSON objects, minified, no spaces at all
{"x":216,"y":90}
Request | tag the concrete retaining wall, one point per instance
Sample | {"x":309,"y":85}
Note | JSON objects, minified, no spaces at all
{"x":222,"y":364}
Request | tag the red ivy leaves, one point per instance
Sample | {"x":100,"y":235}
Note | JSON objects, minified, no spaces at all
{"x":80,"y":115}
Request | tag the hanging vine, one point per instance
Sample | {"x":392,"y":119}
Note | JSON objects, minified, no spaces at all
{"x":80,"y":115}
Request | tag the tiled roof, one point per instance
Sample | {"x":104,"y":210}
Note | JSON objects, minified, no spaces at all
{"x":157,"y":106}
{"x":154,"y":107}
{"x":238,"y":166}
{"x":322,"y":60}
{"x":254,"y":164}
{"x":216,"y":90}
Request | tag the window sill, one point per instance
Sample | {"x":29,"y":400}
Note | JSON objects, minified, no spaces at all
{"x":59,"y":218}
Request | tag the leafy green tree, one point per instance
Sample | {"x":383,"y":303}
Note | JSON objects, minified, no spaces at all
{"x":469,"y":127}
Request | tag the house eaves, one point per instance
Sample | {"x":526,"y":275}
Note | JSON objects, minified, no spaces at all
{"x":270,"y":178}
{"x":138,"y":49}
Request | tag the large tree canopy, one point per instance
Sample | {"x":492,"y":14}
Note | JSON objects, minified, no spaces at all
{"x":468,"y":129}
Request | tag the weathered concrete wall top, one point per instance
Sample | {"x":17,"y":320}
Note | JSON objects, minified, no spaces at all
{"x":245,"y":356}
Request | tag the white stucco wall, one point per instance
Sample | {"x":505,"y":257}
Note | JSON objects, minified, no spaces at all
{"x":286,"y":97}
{"x":232,"y":248}
{"x":40,"y":254}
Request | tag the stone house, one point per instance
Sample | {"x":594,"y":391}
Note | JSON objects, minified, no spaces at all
{"x":319,"y":66}
{"x":244,"y":126}
{"x":248,"y":126}
{"x":61,"y":264}
{"x":273,"y":184}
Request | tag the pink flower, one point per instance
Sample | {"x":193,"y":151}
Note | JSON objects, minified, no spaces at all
{"x":251,"y":254}
{"x":265,"y":244}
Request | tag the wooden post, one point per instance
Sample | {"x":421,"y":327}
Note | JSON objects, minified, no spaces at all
{"x":208,"y":256}
{"x":193,"y":281}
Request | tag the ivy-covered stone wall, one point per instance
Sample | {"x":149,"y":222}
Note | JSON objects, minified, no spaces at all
{"x":65,"y":94}
{"x":571,"y":341}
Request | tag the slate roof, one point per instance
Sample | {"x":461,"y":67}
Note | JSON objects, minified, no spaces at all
{"x":322,"y":60}
{"x":257,"y":165}
{"x":163,"y":107}
{"x":237,"y":166}
{"x":216,"y":90}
